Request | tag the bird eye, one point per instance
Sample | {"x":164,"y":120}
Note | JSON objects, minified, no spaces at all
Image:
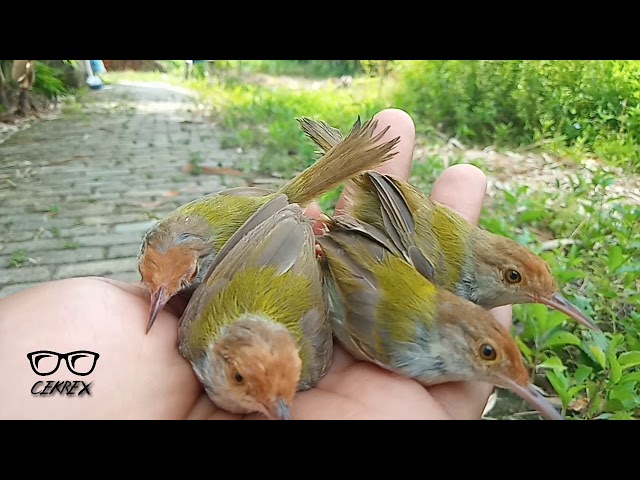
{"x":512,"y":276}
{"x":487,"y":352}
{"x":238,"y":378}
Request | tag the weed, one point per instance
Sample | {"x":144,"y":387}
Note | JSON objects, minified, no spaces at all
{"x":18,"y":258}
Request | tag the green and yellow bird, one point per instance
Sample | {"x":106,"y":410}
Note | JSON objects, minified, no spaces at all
{"x":488,"y":269}
{"x":177,"y":250}
{"x":387,"y":313}
{"x":257,"y":328}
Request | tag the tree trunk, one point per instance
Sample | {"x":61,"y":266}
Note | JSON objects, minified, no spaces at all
{"x":3,"y":92}
{"x":23,"y":103}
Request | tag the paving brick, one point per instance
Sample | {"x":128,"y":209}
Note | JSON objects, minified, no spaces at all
{"x":11,"y":236}
{"x":18,"y":287}
{"x":24,"y":274}
{"x":112,"y":188}
{"x":134,"y":227}
{"x":101,"y":268}
{"x":71,"y":255}
{"x":46,"y":223}
{"x":85,"y":210}
{"x":114,"y":219}
{"x":120,"y":251}
{"x":133,"y":277}
{"x":84,"y":230}
{"x":28,"y":198}
{"x":32,"y":245}
{"x":110,"y":239}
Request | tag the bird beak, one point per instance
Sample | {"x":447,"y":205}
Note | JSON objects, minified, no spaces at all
{"x":533,"y":398}
{"x":280,"y":410}
{"x":561,"y":304}
{"x":159,"y":298}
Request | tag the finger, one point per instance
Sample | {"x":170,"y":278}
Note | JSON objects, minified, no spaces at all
{"x":401,"y":125}
{"x":462,"y":188}
{"x":315,"y":212}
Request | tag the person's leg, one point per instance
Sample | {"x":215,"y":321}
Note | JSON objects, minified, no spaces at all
{"x":136,"y":375}
{"x":188,"y":69}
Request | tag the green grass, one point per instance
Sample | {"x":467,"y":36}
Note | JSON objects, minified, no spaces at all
{"x":18,"y":258}
{"x":598,"y":375}
{"x":309,"y":68}
{"x":70,"y":245}
{"x":264,"y":117}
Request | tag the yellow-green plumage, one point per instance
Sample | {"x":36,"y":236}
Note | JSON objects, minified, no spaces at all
{"x":257,"y":291}
{"x":267,"y":271}
{"x":374,"y":283}
{"x":419,"y":302}
{"x":223,"y":215}
{"x":448,"y":239}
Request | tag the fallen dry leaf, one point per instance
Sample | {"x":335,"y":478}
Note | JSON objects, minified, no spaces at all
{"x":579,"y":404}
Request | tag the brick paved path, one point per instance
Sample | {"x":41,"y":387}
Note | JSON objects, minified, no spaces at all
{"x":123,"y":158}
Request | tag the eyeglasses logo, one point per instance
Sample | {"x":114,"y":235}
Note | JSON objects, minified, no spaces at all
{"x":47,"y":362}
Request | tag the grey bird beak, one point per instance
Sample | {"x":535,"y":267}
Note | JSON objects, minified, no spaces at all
{"x":533,"y":398}
{"x":280,"y":410}
{"x":159,"y":299}
{"x":561,"y":304}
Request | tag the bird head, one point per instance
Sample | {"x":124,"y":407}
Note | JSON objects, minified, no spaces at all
{"x":255,"y":366}
{"x":487,"y":352}
{"x":167,"y":271}
{"x":509,"y":273}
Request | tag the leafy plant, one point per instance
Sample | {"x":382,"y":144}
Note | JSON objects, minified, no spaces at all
{"x":18,"y":258}
{"x":585,"y":107}
{"x":49,"y":81}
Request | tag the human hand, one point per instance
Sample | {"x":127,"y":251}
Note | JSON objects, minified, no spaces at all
{"x":144,"y":376}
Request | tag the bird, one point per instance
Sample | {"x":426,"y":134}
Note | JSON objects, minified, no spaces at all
{"x":488,"y":269}
{"x":257,"y":330}
{"x":385,"y":312}
{"x":176,"y":251}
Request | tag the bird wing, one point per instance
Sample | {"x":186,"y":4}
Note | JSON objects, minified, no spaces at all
{"x":226,"y":259}
{"x":399,"y":222}
{"x":279,"y":236}
{"x":350,"y":248}
{"x":349,"y":223}
{"x":261,"y":215}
